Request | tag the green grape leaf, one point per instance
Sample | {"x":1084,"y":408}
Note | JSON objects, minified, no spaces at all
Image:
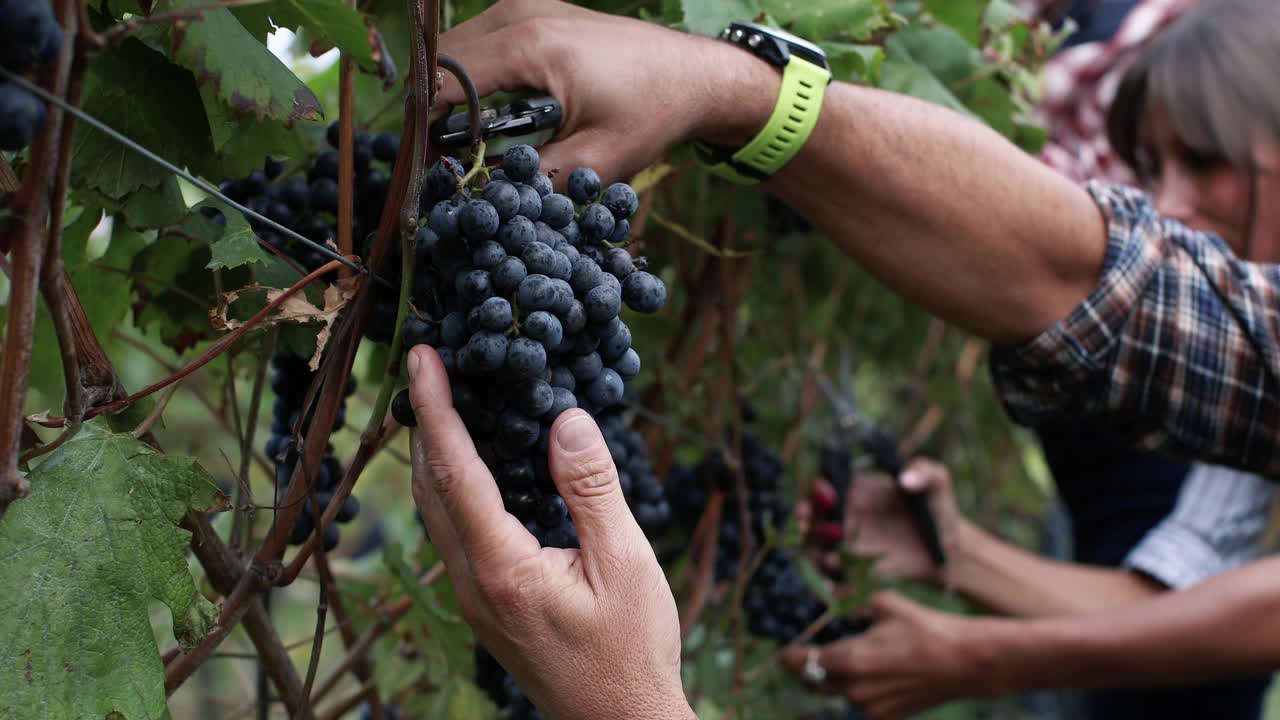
{"x":963,"y":17}
{"x":237,"y":244}
{"x":156,"y":208}
{"x":83,"y":556}
{"x":853,"y":62}
{"x":912,"y":79}
{"x":137,"y":92}
{"x":243,"y":73}
{"x":445,"y":645}
{"x":243,"y":142}
{"x":854,"y":19}
{"x":709,"y":17}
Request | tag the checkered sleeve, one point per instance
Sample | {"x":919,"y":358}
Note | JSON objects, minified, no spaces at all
{"x":1179,"y":344}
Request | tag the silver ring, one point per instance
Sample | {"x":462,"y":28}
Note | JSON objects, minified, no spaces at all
{"x":814,"y":673}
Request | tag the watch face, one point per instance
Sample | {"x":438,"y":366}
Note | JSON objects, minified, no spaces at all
{"x":797,"y":45}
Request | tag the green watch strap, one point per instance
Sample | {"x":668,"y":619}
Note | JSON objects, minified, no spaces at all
{"x":794,"y":116}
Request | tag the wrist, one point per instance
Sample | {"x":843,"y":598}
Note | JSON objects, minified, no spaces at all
{"x":733,"y":96}
{"x":963,"y":543}
{"x":995,"y":647}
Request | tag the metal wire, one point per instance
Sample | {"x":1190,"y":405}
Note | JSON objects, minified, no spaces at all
{"x":203,"y":185}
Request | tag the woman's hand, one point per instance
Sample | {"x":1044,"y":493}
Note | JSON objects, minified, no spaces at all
{"x":590,"y":633}
{"x":911,"y":659}
{"x":879,"y":524}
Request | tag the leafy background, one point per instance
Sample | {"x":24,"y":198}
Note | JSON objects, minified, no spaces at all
{"x":212,"y":97}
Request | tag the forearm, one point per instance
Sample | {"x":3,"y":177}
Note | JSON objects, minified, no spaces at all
{"x":939,"y":207}
{"x":1225,"y":626}
{"x":1012,"y":581}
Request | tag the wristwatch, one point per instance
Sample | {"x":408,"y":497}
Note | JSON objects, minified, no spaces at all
{"x":805,"y":76}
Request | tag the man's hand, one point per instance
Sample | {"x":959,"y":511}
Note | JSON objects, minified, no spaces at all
{"x":630,"y":89}
{"x":590,"y":633}
{"x":910,"y":660}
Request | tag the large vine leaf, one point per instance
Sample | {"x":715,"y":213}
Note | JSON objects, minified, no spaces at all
{"x":241,"y":70}
{"x":80,"y":559}
{"x":137,"y":92}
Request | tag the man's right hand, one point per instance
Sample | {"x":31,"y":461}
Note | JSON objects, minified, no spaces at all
{"x":630,"y":89}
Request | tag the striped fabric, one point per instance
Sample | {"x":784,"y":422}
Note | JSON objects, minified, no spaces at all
{"x":1218,"y":525}
{"x":1180,"y":341}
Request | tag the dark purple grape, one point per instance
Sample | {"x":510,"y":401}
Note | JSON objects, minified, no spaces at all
{"x":644,"y":292}
{"x":584,"y":185}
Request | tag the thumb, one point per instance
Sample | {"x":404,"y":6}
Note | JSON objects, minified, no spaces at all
{"x":587,"y":479}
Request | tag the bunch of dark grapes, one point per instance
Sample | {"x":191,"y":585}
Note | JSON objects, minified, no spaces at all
{"x":777,"y":602}
{"x":307,"y":203}
{"x":30,"y":38}
{"x":519,"y":289}
{"x":290,"y":380}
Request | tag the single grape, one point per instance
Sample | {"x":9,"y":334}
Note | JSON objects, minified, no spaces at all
{"x":628,"y":365}
{"x":442,"y":179}
{"x":516,"y":235}
{"x":602,"y":304}
{"x":542,"y":184}
{"x":478,"y":220}
{"x":505,"y":199}
{"x":521,"y":163}
{"x":507,"y":274}
{"x":617,"y":262}
{"x":586,"y":367}
{"x":443,"y":220}
{"x":474,"y":287}
{"x":402,"y":409}
{"x":535,"y":397}
{"x":526,"y":358}
{"x":606,"y":390}
{"x":493,"y":315}
{"x":557,"y":211}
{"x":644,"y":292}
{"x":539,"y":259}
{"x":596,"y":223}
{"x":621,"y":200}
{"x":530,"y":202}
{"x":487,"y":255}
{"x":584,"y":185}
{"x":544,"y":327}
{"x":386,"y":146}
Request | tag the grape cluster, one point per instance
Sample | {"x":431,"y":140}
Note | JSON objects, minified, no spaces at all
{"x":29,"y":39}
{"x":777,"y":602}
{"x":389,"y":712}
{"x":519,"y":289}
{"x":307,"y":203}
{"x":289,"y":381}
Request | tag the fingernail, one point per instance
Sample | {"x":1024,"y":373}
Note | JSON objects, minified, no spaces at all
{"x":413,"y":364}
{"x":911,"y":480}
{"x":577,"y":434}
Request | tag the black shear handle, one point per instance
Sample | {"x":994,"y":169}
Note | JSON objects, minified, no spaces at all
{"x":883,"y":447}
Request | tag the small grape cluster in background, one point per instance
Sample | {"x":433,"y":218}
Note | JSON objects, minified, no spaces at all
{"x":30,"y":38}
{"x":777,"y":602}
{"x":290,"y":379}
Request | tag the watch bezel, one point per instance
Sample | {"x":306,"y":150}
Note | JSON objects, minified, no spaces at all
{"x":781,"y":42}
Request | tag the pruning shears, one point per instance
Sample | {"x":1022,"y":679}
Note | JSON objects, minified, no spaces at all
{"x":882,"y":445}
{"x":532,"y":121}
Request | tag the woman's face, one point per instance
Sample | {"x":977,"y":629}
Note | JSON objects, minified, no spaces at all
{"x":1208,"y":193}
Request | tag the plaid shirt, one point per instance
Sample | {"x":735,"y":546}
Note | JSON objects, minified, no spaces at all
{"x":1179,"y":342}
